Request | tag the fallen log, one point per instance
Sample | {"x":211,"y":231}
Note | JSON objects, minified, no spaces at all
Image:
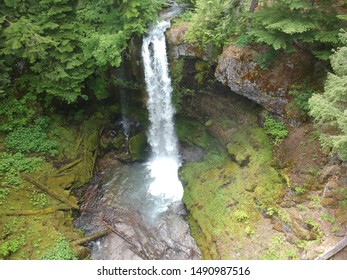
{"x":91,"y":237}
{"x":333,"y":250}
{"x":135,"y":249}
{"x":51,"y":192}
{"x":44,"y":211}
{"x":69,"y":165}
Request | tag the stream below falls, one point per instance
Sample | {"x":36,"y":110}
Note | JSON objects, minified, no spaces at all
{"x":119,"y":198}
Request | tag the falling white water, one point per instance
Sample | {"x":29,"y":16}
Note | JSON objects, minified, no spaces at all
{"x":164,"y":162}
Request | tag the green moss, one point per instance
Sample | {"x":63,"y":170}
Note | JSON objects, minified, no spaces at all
{"x":226,"y":192}
{"x":278,"y":250}
{"x":138,"y":147}
{"x":46,"y":236}
{"x":191,"y":132}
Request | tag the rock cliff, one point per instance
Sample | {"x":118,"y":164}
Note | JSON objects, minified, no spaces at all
{"x":237,"y":68}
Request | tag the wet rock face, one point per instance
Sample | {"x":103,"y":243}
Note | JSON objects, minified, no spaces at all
{"x":140,"y":228}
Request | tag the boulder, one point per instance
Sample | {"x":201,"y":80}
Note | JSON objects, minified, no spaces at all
{"x":138,"y":147}
{"x":238,"y":69}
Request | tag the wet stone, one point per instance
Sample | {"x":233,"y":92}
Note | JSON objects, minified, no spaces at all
{"x":144,"y":227}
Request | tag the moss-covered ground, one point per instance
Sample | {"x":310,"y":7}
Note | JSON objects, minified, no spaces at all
{"x":34,"y":224}
{"x":252,"y":197}
{"x":227,"y":192}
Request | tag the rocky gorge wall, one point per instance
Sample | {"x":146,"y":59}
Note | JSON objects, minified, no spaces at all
{"x":248,"y":198}
{"x":237,"y":68}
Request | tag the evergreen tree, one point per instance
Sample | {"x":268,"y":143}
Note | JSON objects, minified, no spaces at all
{"x":50,"y":49}
{"x":285,"y":23}
{"x":329,"y":109}
{"x":214,"y":22}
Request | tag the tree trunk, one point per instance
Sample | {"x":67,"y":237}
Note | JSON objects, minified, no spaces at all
{"x":254,"y":4}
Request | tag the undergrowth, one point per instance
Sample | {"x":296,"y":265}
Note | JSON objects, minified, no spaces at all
{"x":31,"y":139}
{"x":275,"y":129}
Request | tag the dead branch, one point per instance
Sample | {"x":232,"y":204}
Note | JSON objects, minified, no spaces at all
{"x":116,"y":231}
{"x":44,"y":211}
{"x":91,"y":237}
{"x":69,"y":165}
{"x":333,"y":250}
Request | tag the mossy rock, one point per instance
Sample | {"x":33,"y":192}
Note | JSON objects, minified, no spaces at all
{"x":64,"y":181}
{"x":191,"y":132}
{"x":138,"y":147}
{"x":118,"y":141}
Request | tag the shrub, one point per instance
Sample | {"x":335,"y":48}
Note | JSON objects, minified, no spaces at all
{"x":11,"y":246}
{"x":241,"y":216}
{"x":275,"y":129}
{"x":299,"y":190}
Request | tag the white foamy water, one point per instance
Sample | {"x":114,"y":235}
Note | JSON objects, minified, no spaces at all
{"x":164,"y":161}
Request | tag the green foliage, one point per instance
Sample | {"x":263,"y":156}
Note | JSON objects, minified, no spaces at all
{"x":241,"y":216}
{"x":61,"y":251}
{"x":327,"y":217}
{"x":278,"y":251}
{"x":31,"y":139}
{"x":215,"y":22}
{"x":3,"y":194}
{"x":285,"y":23}
{"x":38,"y":200}
{"x":313,"y":225}
{"x":315,"y":202}
{"x":264,"y":60}
{"x":329,"y":107}
{"x":11,"y":165}
{"x":299,"y":190}
{"x":11,"y":245}
{"x":302,"y":208}
{"x":98,"y":86}
{"x":15,"y":112}
{"x":301,"y":96}
{"x":179,"y":91}
{"x":184,"y":17}
{"x":275,"y":129}
{"x":249,"y":231}
{"x":335,"y":229}
{"x":52,"y":47}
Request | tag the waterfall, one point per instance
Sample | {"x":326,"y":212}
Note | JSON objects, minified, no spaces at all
{"x":164,"y":161}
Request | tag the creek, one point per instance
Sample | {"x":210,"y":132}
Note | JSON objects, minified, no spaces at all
{"x":141,"y":202}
